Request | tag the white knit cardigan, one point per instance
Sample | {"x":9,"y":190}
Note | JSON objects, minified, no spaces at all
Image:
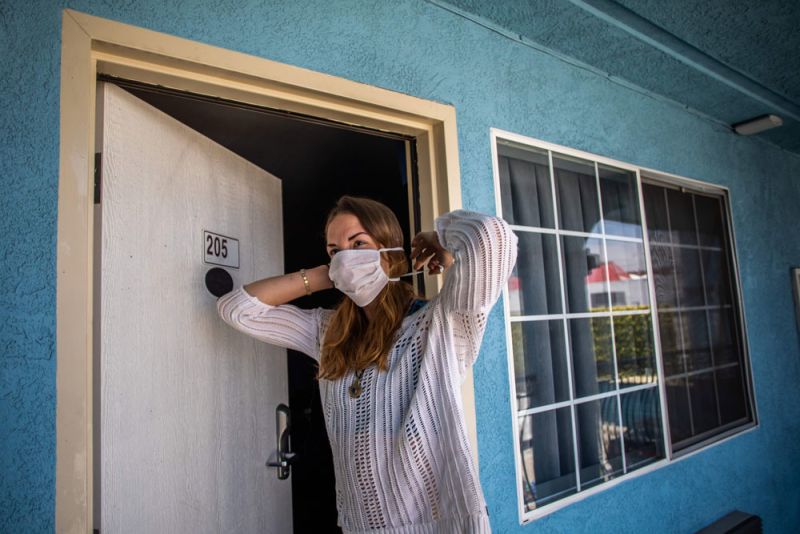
{"x":401,"y":457}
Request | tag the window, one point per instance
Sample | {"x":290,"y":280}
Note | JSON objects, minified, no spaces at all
{"x":699,"y":320}
{"x":626,"y":342}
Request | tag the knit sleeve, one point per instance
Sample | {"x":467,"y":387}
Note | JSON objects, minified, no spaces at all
{"x":284,"y":325}
{"x":485,"y":250}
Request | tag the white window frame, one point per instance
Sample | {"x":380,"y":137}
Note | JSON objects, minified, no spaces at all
{"x":665,"y":179}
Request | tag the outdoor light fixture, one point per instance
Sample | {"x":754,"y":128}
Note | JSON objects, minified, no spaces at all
{"x":757,"y":125}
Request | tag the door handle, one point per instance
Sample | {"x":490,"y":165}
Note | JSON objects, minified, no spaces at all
{"x":283,"y":433}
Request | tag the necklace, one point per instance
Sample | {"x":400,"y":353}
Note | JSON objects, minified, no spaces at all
{"x":355,"y":387}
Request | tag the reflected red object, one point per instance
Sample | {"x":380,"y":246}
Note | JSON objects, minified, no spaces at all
{"x":615,"y":273}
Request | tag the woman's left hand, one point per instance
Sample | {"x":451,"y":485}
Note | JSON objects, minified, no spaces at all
{"x":425,"y":247}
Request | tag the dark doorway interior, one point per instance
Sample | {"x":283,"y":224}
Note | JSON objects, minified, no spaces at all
{"x":317,"y":162}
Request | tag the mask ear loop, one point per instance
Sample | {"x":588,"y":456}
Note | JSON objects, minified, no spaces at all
{"x":412,"y":273}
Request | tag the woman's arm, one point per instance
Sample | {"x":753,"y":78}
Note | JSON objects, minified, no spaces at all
{"x":484,"y":250}
{"x":260,"y":310}
{"x":284,"y":288}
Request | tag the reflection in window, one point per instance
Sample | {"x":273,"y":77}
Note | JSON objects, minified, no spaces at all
{"x":581,"y":272}
{"x":548,"y":459}
{"x":620,"y":199}
{"x":592,"y":355}
{"x":576,"y":188}
{"x":525,"y":186}
{"x":540,"y":363}
{"x":641,"y":422}
{"x":636,"y":360}
{"x":587,"y":376}
{"x":599,"y":443}
{"x":627,"y":275}
{"x":534,"y":287}
{"x":585,"y":277}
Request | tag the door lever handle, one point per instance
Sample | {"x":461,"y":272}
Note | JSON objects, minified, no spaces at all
{"x":283,"y":432}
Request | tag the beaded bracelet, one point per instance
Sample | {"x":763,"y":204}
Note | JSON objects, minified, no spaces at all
{"x":305,"y":281}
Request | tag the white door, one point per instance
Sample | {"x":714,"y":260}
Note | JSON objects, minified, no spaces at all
{"x":187,"y":404}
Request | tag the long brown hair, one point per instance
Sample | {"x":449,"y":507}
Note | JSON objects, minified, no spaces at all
{"x":351,"y":341}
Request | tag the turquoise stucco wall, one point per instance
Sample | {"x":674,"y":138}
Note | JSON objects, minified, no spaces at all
{"x":416,"y":47}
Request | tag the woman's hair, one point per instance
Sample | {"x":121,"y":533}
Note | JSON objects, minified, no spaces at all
{"x":351,"y":341}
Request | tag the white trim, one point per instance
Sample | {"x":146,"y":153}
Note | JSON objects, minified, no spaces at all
{"x":498,"y":136}
{"x":684,"y":245}
{"x":565,"y":323}
{"x":509,"y":337}
{"x":687,"y":373}
{"x":661,"y":176}
{"x":727,"y":213}
{"x":696,"y":308}
{"x":578,"y":315}
{"x":681,"y":183}
{"x":552,"y":147}
{"x":576,"y":233}
{"x":651,"y":288}
{"x":92,"y":45}
{"x":561,"y":503}
{"x":583,"y":400}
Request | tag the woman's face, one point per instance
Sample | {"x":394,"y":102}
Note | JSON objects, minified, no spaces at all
{"x":345,"y":232}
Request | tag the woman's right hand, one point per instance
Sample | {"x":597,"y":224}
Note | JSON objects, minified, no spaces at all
{"x":425,"y":247}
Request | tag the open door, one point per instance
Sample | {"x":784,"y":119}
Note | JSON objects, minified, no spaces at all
{"x":187,"y":404}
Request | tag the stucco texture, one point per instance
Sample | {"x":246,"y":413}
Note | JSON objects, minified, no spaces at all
{"x":418,"y":48}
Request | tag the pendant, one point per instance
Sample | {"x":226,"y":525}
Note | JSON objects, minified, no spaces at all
{"x":355,"y":389}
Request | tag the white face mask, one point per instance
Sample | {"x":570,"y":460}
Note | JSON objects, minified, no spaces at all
{"x":358,"y":273}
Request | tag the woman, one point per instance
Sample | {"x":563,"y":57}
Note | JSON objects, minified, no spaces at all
{"x":390,"y":364}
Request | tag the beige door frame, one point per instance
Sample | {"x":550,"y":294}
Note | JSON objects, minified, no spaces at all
{"x":92,"y":46}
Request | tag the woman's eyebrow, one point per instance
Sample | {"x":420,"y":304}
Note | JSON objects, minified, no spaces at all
{"x":349,"y":238}
{"x":355,"y":235}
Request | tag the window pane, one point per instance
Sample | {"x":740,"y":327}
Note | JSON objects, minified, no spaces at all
{"x":548,"y":459}
{"x":717,"y":277}
{"x":633,"y":339}
{"x":664,"y":275}
{"x":669,"y":328}
{"x":731,"y":398}
{"x":695,"y":340}
{"x":534,"y":286}
{"x":592,"y":357}
{"x":680,"y":420}
{"x":576,"y":186}
{"x":620,"y":200}
{"x":690,"y":283}
{"x":681,"y":217}
{"x":627,"y":275}
{"x":540,"y":363}
{"x":641,"y":422}
{"x":655,"y":211}
{"x":584,"y":274}
{"x":723,"y":336}
{"x":709,"y":220}
{"x":599,"y":447}
{"x":526,"y":195}
{"x":704,"y":324}
{"x":704,"y":402}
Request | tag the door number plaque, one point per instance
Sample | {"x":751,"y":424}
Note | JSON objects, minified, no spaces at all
{"x":220,"y":249}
